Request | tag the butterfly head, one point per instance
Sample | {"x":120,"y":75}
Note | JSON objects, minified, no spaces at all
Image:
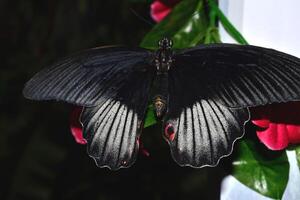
{"x":165,"y":43}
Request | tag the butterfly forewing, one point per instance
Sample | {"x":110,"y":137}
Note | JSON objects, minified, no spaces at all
{"x":241,"y":76}
{"x":87,"y":78}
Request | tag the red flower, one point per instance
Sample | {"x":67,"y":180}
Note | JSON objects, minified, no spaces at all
{"x":75,"y":125}
{"x":280,"y":124}
{"x":160,"y":9}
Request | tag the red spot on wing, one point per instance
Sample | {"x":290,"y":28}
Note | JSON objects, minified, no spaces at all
{"x":169,"y":132}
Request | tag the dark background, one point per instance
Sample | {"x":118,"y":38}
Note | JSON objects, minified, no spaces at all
{"x":39,"y":158}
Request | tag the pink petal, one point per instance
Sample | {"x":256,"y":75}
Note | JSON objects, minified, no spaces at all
{"x":159,"y":11}
{"x":275,"y":137}
{"x":75,"y":126}
{"x":263,"y":123}
{"x":294,"y":133}
{"x":281,"y":123}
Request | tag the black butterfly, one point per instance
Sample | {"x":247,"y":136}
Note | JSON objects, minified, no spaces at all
{"x":202,"y":94}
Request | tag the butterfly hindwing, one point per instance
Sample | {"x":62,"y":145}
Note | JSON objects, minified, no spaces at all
{"x":241,"y":75}
{"x":90,"y":77}
{"x":112,"y":129}
{"x":204,"y":133}
{"x":200,"y":132}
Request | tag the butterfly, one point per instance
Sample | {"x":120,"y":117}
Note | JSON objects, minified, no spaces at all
{"x":201,"y":94}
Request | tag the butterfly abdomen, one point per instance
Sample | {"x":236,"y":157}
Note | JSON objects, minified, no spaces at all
{"x":160,"y":90}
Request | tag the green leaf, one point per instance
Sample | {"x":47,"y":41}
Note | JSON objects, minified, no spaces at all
{"x":260,"y":169}
{"x":212,"y":36}
{"x":186,"y":25}
{"x":298,"y":155}
{"x":150,"y":117}
{"x":231,"y":30}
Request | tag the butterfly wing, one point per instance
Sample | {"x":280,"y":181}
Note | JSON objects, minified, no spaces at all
{"x":210,"y":88}
{"x":199,"y":132}
{"x":113,"y":86}
{"x":241,"y":76}
{"x":90,"y":77}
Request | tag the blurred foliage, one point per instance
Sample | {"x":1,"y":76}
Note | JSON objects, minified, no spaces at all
{"x":186,"y":25}
{"x":231,"y":30}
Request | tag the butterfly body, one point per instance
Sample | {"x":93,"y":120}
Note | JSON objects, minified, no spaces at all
{"x":202,"y":94}
{"x":163,"y":62}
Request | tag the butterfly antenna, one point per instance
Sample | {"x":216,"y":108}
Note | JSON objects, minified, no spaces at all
{"x":141,"y":18}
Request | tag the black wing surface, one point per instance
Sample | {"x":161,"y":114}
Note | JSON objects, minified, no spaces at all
{"x":202,"y":131}
{"x":90,"y":77}
{"x":112,"y":128}
{"x":240,"y":76}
